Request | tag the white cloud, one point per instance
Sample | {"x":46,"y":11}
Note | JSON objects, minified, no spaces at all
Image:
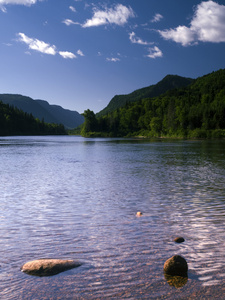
{"x":35,"y":44}
{"x":73,"y":9}
{"x":113,"y":59}
{"x":66,"y":54}
{"x":154,"y":52}
{"x":69,"y":22}
{"x":207,"y":25}
{"x":118,"y":15}
{"x":181,"y":34}
{"x":137,"y":40}
{"x":79,"y":52}
{"x":40,"y":46}
{"x":156,"y":18}
{"x":17,"y":2}
{"x":209,"y":22}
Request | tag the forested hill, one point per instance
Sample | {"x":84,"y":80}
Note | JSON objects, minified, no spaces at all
{"x":195,"y":111}
{"x":167,"y":83}
{"x":16,"y":122}
{"x":43,"y":110}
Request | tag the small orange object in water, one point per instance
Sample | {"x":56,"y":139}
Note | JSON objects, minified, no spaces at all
{"x":139,"y":213}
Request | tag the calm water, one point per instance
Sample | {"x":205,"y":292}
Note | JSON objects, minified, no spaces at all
{"x":69,"y":197}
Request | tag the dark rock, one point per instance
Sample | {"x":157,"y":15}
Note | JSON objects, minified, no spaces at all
{"x":48,"y":267}
{"x":179,"y":240}
{"x":176,"y":266}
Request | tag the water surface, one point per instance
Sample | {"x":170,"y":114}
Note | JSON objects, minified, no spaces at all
{"x":76,"y":198}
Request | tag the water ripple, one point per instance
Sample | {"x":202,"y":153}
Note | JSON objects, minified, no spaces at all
{"x":66,"y":197}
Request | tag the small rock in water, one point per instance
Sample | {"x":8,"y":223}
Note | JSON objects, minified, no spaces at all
{"x":48,"y":267}
{"x":176,"y":266}
{"x":179,"y":240}
{"x":139,"y":213}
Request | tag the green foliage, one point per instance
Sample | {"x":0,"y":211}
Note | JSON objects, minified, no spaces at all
{"x":16,"y":122}
{"x":167,"y":83}
{"x":90,"y":123}
{"x":195,"y":111}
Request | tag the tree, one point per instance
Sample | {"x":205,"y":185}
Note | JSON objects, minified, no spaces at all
{"x":90,"y":122}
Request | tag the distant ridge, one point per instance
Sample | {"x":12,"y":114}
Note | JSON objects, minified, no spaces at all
{"x":167,"y":83}
{"x":43,"y":110}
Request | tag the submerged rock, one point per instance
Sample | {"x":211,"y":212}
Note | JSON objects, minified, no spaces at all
{"x":179,"y":239}
{"x":176,"y":266}
{"x":48,"y":267}
{"x":176,"y":281}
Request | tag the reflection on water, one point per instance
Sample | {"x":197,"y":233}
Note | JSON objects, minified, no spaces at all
{"x":69,"y":197}
{"x":176,"y":281}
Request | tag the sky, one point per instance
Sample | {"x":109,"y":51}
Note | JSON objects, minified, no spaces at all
{"x":79,"y":54}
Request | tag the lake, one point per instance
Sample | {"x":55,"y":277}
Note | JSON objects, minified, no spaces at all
{"x":71,"y":197}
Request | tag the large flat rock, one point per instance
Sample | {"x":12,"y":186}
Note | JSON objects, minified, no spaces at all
{"x":48,"y":267}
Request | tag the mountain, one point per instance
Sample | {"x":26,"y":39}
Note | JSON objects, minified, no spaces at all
{"x":167,"y":83}
{"x":43,"y":110}
{"x":16,"y":122}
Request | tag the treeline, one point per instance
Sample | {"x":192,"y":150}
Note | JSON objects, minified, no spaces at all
{"x":196,"y":111}
{"x":16,"y":122}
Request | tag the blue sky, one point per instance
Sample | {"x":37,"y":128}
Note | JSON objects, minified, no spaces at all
{"x":79,"y":54}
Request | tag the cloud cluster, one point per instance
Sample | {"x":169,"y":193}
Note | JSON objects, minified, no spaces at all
{"x":154,"y":52}
{"x":207,"y":25}
{"x":40,"y":46}
{"x":118,"y":15}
